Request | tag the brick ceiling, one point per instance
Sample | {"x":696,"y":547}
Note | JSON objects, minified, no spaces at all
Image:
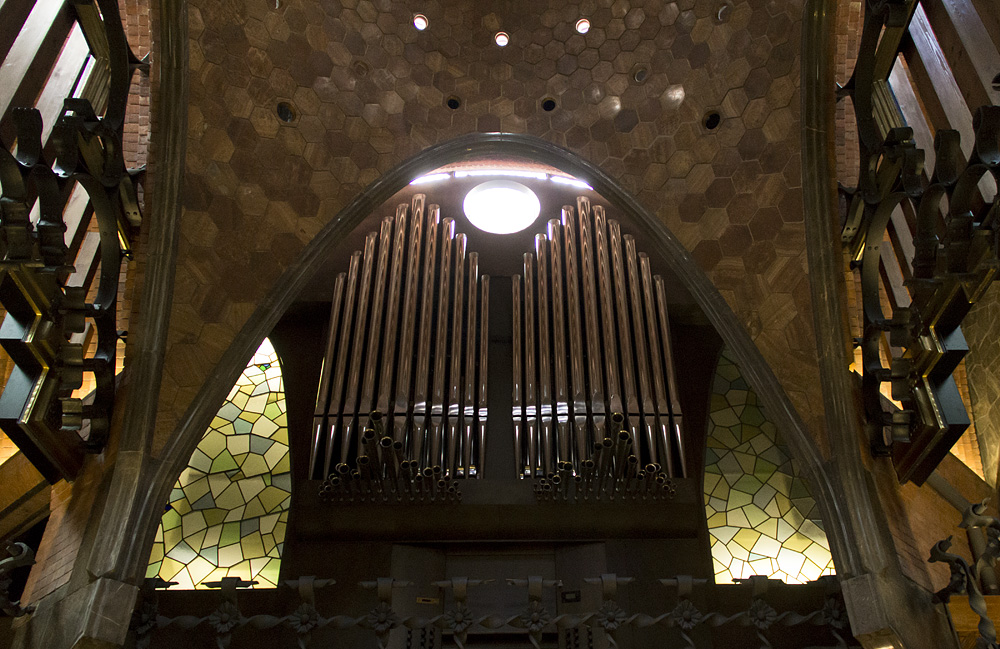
{"x":368,"y":91}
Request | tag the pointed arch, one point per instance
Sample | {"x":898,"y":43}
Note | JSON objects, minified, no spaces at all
{"x":658,"y":238}
{"x":228,"y":510}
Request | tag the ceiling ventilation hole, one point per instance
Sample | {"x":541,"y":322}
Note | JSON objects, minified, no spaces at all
{"x":712,"y":120}
{"x":548,"y":104}
{"x":420,"y":22}
{"x":285,"y":112}
{"x":453,"y":103}
{"x":583,"y":26}
{"x":502,"y":39}
{"x":724,"y":13}
{"x":640,"y":74}
{"x":501,"y":206}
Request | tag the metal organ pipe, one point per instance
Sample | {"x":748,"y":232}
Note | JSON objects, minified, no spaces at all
{"x":336,"y":408}
{"x":530,"y":394}
{"x":641,"y":354}
{"x":321,"y":419}
{"x":403,"y":405}
{"x":590,"y":325}
{"x":389,"y":340}
{"x":517,"y":395}
{"x":578,"y":387}
{"x":409,"y":302}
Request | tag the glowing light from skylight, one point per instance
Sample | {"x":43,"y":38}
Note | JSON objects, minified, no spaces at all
{"x":430,"y":178}
{"x":583,"y":25}
{"x":501,"y":206}
{"x":420,"y":22}
{"x":572,"y":182}
{"x":502,"y":39}
{"x":513,"y":173}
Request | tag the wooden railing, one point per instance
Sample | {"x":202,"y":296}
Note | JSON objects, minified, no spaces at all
{"x":921,"y":224}
{"x":69,"y":211}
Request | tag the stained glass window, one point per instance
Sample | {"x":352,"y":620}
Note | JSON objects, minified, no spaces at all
{"x":228,"y":510}
{"x":762,"y":518}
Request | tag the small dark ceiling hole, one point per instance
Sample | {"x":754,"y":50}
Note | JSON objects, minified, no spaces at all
{"x":640,"y":75}
{"x":548,"y":104}
{"x":453,"y":103}
{"x":285,"y":112}
{"x":712,"y":120}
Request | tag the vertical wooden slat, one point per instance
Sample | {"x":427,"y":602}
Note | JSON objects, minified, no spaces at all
{"x":967,"y":47}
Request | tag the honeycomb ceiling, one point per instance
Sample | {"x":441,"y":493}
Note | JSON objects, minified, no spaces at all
{"x":367,"y":91}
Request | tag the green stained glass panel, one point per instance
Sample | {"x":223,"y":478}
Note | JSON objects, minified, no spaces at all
{"x":761,"y":514}
{"x":238,"y":478}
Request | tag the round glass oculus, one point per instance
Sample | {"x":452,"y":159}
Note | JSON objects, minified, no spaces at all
{"x":501,"y":206}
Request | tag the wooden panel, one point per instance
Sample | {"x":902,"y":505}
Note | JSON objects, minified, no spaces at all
{"x":989,"y":13}
{"x":967,"y":47}
{"x":77,"y":215}
{"x":86,"y":261}
{"x":31,"y":58}
{"x":61,"y":80}
{"x":913,"y":112}
{"x":12,"y":12}
{"x":934,"y":82}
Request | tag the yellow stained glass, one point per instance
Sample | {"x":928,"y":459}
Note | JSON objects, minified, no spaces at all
{"x":762,"y":519}
{"x":228,"y":487}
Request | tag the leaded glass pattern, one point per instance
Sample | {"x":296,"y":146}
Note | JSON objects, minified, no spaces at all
{"x":228,"y":510}
{"x":762,"y":518}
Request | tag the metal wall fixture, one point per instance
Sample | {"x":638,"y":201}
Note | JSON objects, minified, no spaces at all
{"x":592,"y":362}
{"x":412,"y":300}
{"x":819,"y":611}
{"x":950,"y":262}
{"x":47,"y":320}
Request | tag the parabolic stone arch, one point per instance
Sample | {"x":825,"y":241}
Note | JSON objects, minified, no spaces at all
{"x":656,"y":238}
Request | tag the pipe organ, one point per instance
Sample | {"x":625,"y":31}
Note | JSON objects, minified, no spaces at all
{"x":401,"y":407}
{"x":594,"y":389}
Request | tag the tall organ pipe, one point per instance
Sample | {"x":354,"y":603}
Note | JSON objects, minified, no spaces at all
{"x":469,"y":393}
{"x":351,"y":423}
{"x":675,"y":407}
{"x":484,"y":342}
{"x":321,"y":421}
{"x":424,"y":349}
{"x":656,"y":361}
{"x":375,"y":328}
{"x":624,"y":333}
{"x":440,"y":358}
{"x":455,"y":375}
{"x":641,"y":353}
{"x":518,"y":383}
{"x":530,"y":393}
{"x":592,"y":321}
{"x":544,"y":353}
{"x":607,"y":315}
{"x":577,"y":381}
{"x":559,"y":343}
{"x":410,"y":303}
{"x":389,"y":340}
{"x":336,"y":408}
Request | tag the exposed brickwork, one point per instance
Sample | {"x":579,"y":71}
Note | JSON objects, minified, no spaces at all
{"x":71,"y":509}
{"x":370,"y":91}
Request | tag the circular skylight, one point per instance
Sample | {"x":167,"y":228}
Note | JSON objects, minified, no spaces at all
{"x":501,"y":206}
